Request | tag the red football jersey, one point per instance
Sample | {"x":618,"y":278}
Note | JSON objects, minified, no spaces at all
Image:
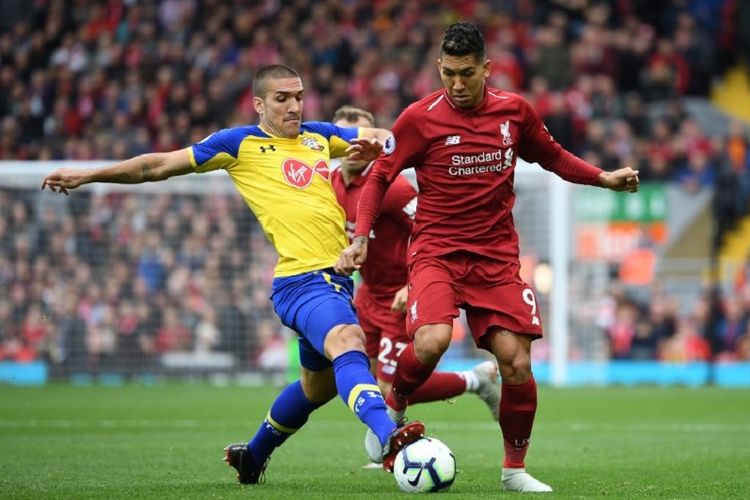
{"x":465,"y":162}
{"x":385,"y":271}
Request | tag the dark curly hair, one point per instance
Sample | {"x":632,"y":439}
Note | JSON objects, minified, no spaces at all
{"x":463,"y":39}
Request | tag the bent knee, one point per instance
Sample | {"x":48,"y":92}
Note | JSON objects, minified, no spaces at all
{"x":431,"y":341}
{"x":513,"y":353}
{"x":344,"y":338}
{"x":431,"y":348}
{"x":518,"y":367}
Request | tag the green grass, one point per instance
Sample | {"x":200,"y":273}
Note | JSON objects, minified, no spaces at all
{"x":166,"y":442}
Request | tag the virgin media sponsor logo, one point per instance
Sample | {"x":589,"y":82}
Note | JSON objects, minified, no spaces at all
{"x":321,"y":168}
{"x":300,"y":175}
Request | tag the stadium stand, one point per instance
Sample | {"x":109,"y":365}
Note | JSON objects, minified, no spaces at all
{"x":112,"y":284}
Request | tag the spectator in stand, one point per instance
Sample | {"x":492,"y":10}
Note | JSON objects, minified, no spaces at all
{"x":623,"y":330}
{"x":728,"y":200}
{"x":551,"y":59}
{"x":697,"y":174}
{"x":645,"y":342}
{"x":70,"y":332}
{"x":207,"y":334}
{"x":729,"y":329}
{"x":172,"y":335}
{"x":687,"y":345}
{"x":736,"y":153}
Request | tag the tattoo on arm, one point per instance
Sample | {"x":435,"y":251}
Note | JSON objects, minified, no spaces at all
{"x":121,"y":178}
{"x":133,"y":171}
{"x":146,"y":171}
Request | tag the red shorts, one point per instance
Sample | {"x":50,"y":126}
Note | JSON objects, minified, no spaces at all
{"x":385,"y":332}
{"x":492,"y":293}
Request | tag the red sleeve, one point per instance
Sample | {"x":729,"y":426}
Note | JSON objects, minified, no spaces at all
{"x":404,"y":148}
{"x":400,"y":202}
{"x":539,"y":146}
{"x":573,"y":169}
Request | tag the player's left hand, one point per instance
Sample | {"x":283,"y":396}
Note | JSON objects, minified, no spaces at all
{"x":352,"y":257}
{"x":63,"y":179}
{"x":623,"y":179}
{"x":364,"y":149}
{"x":399,"y":300}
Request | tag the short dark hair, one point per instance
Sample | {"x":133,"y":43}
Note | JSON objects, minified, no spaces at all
{"x":272,"y":71}
{"x":463,"y":39}
{"x":352,"y":114}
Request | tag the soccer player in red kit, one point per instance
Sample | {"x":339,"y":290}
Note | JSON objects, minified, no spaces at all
{"x":463,"y":141}
{"x":381,"y":298}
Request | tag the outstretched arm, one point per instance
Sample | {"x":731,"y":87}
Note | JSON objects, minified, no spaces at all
{"x":539,"y":146}
{"x":149,"y":167}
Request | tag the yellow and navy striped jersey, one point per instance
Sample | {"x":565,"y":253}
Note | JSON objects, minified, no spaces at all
{"x":286,"y":183}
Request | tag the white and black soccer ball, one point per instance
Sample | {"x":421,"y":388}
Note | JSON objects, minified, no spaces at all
{"x":427,"y":465}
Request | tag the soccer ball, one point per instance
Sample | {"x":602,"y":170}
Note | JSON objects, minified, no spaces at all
{"x":426,"y":465}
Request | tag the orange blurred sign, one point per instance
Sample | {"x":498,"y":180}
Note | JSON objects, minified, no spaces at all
{"x":613,"y":241}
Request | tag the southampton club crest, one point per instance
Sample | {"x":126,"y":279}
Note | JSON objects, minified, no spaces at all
{"x":312,"y":143}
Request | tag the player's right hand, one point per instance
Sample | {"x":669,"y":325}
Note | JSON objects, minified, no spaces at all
{"x":623,"y":179}
{"x":352,"y":257}
{"x":399,"y":300}
{"x":63,"y":179}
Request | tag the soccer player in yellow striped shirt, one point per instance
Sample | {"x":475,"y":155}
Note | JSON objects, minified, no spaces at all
{"x":281,"y":169}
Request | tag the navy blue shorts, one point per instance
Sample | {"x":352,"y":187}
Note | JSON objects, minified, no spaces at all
{"x":312,"y":304}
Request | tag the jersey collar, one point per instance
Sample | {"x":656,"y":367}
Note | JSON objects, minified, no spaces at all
{"x":475,"y":110}
{"x":278,"y":137}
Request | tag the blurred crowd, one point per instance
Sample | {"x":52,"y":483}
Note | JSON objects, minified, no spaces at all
{"x":109,"y":285}
{"x":82,"y":80}
{"x":717,"y":327}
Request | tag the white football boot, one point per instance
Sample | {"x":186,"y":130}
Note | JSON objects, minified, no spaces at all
{"x":372,"y":444}
{"x":488,"y":390}
{"x":521,"y":481}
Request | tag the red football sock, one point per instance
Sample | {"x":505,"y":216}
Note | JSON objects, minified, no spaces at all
{"x":410,"y":374}
{"x":517,"y":410}
{"x":440,"y":385}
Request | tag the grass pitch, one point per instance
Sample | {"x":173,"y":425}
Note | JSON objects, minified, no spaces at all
{"x":166,"y":442}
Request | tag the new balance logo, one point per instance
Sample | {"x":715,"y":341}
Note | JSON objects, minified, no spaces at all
{"x":452,"y":140}
{"x":270,"y":147}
